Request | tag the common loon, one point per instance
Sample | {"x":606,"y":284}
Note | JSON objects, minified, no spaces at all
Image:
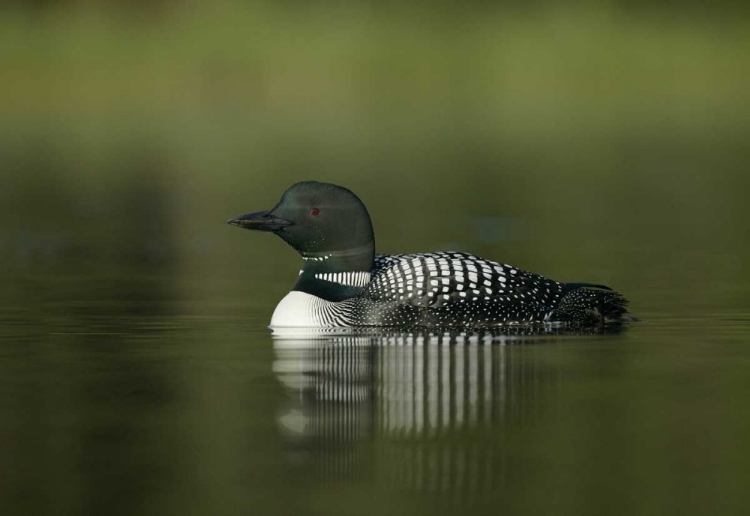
{"x":343,"y":283}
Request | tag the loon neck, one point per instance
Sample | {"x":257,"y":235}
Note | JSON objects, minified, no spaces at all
{"x":336,"y":275}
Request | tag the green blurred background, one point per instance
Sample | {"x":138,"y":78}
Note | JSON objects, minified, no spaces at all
{"x":588,"y":141}
{"x":136,"y":128}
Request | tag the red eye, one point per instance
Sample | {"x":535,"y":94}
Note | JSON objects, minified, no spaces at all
{"x":315,"y":212}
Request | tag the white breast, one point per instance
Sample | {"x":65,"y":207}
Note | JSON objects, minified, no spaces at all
{"x":299,"y":309}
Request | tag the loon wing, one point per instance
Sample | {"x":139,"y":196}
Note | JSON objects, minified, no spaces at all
{"x":433,"y":280}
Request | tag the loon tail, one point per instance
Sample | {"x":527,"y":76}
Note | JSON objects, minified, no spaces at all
{"x":590,"y":304}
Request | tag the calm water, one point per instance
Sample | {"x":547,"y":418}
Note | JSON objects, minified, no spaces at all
{"x":125,"y":396}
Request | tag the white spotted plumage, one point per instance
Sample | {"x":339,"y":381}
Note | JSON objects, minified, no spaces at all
{"x":430,"y":290}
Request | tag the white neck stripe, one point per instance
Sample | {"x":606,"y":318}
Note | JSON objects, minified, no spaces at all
{"x":352,"y":279}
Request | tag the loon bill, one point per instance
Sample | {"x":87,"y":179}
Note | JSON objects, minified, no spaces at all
{"x":343,"y":283}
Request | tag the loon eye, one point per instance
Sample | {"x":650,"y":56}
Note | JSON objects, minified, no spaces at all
{"x":315,"y":212}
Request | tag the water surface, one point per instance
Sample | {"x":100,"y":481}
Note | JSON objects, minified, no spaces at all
{"x":141,"y":405}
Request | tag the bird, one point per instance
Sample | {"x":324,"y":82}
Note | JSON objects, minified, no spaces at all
{"x":343,"y":283}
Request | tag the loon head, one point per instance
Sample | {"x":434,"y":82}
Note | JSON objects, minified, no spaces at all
{"x":327,"y":224}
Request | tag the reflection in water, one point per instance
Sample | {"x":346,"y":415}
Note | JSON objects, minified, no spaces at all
{"x":425,"y":409}
{"x":333,"y":383}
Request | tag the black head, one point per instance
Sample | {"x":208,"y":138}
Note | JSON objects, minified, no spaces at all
{"x":318,"y":220}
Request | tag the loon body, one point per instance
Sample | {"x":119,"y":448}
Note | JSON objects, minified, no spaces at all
{"x":343,"y":283}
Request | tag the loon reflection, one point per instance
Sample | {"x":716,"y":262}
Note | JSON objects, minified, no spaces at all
{"x":425,"y":407}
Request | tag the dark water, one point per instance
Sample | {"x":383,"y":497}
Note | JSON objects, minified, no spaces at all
{"x":138,"y":403}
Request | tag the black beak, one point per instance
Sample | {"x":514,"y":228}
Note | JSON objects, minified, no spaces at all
{"x":260,"y":221}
